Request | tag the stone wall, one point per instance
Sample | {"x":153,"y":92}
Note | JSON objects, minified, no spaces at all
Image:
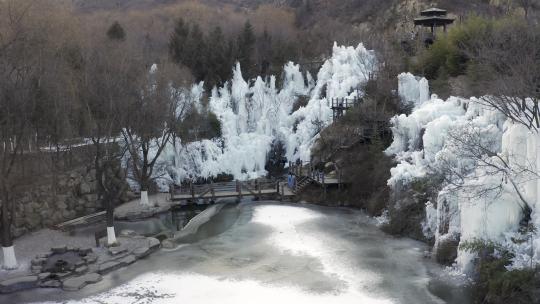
{"x":44,"y":205}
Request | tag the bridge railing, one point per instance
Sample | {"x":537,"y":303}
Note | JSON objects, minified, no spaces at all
{"x":213,"y":190}
{"x":307,"y":169}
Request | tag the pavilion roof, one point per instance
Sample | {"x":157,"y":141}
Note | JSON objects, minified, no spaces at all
{"x":433,"y":12}
{"x":433,"y":21}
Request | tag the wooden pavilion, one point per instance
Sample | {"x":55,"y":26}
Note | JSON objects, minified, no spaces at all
{"x":433,"y":18}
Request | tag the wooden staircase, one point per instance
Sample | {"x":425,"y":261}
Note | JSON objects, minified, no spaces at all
{"x":302,"y":183}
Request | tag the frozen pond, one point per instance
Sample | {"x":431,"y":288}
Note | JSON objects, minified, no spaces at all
{"x":273,"y":253}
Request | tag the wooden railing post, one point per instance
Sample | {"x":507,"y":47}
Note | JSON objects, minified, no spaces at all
{"x":212,"y":190}
{"x":171,"y":191}
{"x":259,"y":188}
{"x":239,"y":188}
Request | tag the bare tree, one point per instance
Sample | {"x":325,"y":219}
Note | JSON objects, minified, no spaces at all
{"x":150,"y":125}
{"x":18,"y":73}
{"x":469,"y":144}
{"x":508,"y":60}
{"x":107,"y":82}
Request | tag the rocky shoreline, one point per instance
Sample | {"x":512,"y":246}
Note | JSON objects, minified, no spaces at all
{"x":73,"y":268}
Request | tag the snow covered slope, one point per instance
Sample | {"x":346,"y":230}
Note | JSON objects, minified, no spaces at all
{"x":487,"y":164}
{"x":253,"y":114}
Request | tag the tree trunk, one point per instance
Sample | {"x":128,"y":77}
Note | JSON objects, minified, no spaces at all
{"x":10,"y":261}
{"x":144,"y":187}
{"x":111,"y":235}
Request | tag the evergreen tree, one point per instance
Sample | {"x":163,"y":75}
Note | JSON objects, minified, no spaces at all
{"x":116,"y":32}
{"x":265,"y":53}
{"x":230,"y":57}
{"x":195,"y":57}
{"x":216,"y":59}
{"x":178,"y":40}
{"x":246,"y":48}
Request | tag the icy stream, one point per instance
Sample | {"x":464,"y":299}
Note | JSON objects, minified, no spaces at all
{"x":273,"y":252}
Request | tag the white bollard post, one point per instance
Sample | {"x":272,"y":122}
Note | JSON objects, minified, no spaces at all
{"x":10,"y":261}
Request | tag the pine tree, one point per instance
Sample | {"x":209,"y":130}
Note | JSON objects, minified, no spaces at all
{"x":178,"y":40}
{"x":116,"y":32}
{"x":246,"y":48}
{"x":265,"y":53}
{"x":216,"y":60}
{"x":196,"y":52}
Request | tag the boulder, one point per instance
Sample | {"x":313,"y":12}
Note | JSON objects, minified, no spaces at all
{"x":28,"y":208}
{"x":76,"y":283}
{"x":61,"y":205}
{"x":36,"y":269}
{"x":80,"y":263}
{"x":127,"y":232}
{"x":109,"y":266}
{"x":19,"y":283}
{"x":168,"y":244}
{"x":85,"y":250}
{"x":85,"y":188}
{"x":115,"y":251}
{"x":17,"y":232}
{"x":90,"y":258}
{"x":50,"y":284}
{"x":32,"y":220}
{"x":91,"y":197}
{"x":141,"y":252}
{"x":81,"y":270}
{"x":59,"y":249}
{"x":130,"y":259}
{"x":153,"y":243}
{"x":38,"y":261}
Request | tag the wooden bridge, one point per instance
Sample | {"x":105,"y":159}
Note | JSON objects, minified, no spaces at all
{"x":237,"y":189}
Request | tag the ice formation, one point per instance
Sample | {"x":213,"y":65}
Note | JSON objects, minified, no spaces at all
{"x":488,"y":164}
{"x":413,"y":90}
{"x":254,"y":114}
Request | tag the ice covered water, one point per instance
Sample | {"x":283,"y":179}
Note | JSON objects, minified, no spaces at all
{"x":276,"y":253}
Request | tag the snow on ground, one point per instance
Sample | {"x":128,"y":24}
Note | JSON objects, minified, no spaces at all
{"x":486,"y":159}
{"x":255,"y":113}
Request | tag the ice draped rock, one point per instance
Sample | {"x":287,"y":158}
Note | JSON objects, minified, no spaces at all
{"x":413,"y":90}
{"x":485,"y":203}
{"x":255,"y":113}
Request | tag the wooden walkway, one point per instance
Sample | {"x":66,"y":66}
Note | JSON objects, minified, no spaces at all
{"x":340,"y":106}
{"x":306,"y":174}
{"x":237,"y":189}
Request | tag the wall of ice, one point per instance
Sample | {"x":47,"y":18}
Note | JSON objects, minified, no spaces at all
{"x":255,"y":113}
{"x":488,"y":164}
